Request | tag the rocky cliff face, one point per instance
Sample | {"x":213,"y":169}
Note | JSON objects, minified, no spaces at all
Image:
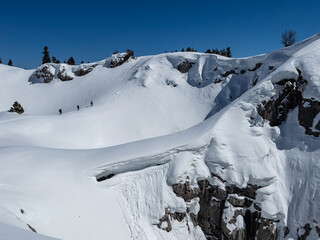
{"x":227,"y":212}
{"x":289,"y":95}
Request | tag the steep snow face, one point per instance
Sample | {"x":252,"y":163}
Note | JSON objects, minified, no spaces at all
{"x":238,"y":159}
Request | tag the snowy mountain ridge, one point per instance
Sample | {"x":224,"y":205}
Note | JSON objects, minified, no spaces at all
{"x":175,"y":146}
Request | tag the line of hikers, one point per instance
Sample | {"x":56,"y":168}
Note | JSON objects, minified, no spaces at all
{"x":78,"y":107}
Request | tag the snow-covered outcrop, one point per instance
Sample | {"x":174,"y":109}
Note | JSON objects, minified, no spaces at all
{"x":176,"y":146}
{"x":64,"y":72}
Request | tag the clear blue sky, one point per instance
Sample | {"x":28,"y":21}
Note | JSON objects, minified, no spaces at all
{"x":93,"y":30}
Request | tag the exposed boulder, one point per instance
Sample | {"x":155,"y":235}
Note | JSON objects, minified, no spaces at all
{"x":83,"y":71}
{"x":249,"y":191}
{"x":308,"y":110}
{"x":276,"y":110}
{"x":236,"y":201}
{"x":233,"y":225}
{"x":63,"y":76}
{"x":258,"y":65}
{"x":44,"y":74}
{"x":165,"y":221}
{"x":289,"y":96}
{"x":267,"y":229}
{"x":16,"y":107}
{"x":185,"y":66}
{"x":120,"y":58}
{"x":185,"y":191}
{"x":303,"y":232}
{"x":227,"y":73}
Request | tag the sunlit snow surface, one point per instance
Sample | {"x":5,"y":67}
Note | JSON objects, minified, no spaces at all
{"x":147,"y":127}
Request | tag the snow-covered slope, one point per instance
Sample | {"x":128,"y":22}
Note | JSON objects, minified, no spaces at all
{"x":175,"y":146}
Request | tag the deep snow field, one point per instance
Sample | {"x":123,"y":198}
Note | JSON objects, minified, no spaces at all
{"x":112,"y":170}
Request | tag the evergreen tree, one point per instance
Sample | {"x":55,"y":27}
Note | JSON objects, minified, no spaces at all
{"x":82,"y":62}
{"x":0,"y":60}
{"x":71,"y":61}
{"x":182,"y":50}
{"x":208,"y":51}
{"x":46,"y":56}
{"x":216,"y":51}
{"x":10,"y":62}
{"x":223,"y":52}
{"x":54,"y":60}
{"x":229,"y":52}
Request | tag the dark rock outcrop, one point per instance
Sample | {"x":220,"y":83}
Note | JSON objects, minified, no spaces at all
{"x":62,"y":76}
{"x":168,"y":217}
{"x":16,"y":107}
{"x":185,"y":66}
{"x":238,"y":233}
{"x":185,"y":191}
{"x":83,"y":71}
{"x":258,"y":65}
{"x":318,"y":230}
{"x":222,"y":208}
{"x":44,"y":73}
{"x":121,"y":58}
{"x":227,"y":73}
{"x":165,"y":219}
{"x":276,"y":110}
{"x":289,"y":96}
{"x":308,"y":110}
{"x":236,"y":202}
{"x":305,"y":232}
{"x":266,"y":229}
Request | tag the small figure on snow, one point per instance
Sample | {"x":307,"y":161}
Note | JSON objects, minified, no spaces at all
{"x":78,"y":107}
{"x":91,"y":103}
{"x":60,"y":111}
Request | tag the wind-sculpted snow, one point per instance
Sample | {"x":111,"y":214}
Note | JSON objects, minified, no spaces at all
{"x":217,"y":148}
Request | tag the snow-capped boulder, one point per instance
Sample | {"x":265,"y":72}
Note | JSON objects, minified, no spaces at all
{"x":64,"y":72}
{"x":16,"y":107}
{"x":44,"y":73}
{"x":64,"y":75}
{"x":84,"y":70}
{"x":185,"y":66}
{"x":120,"y":58}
